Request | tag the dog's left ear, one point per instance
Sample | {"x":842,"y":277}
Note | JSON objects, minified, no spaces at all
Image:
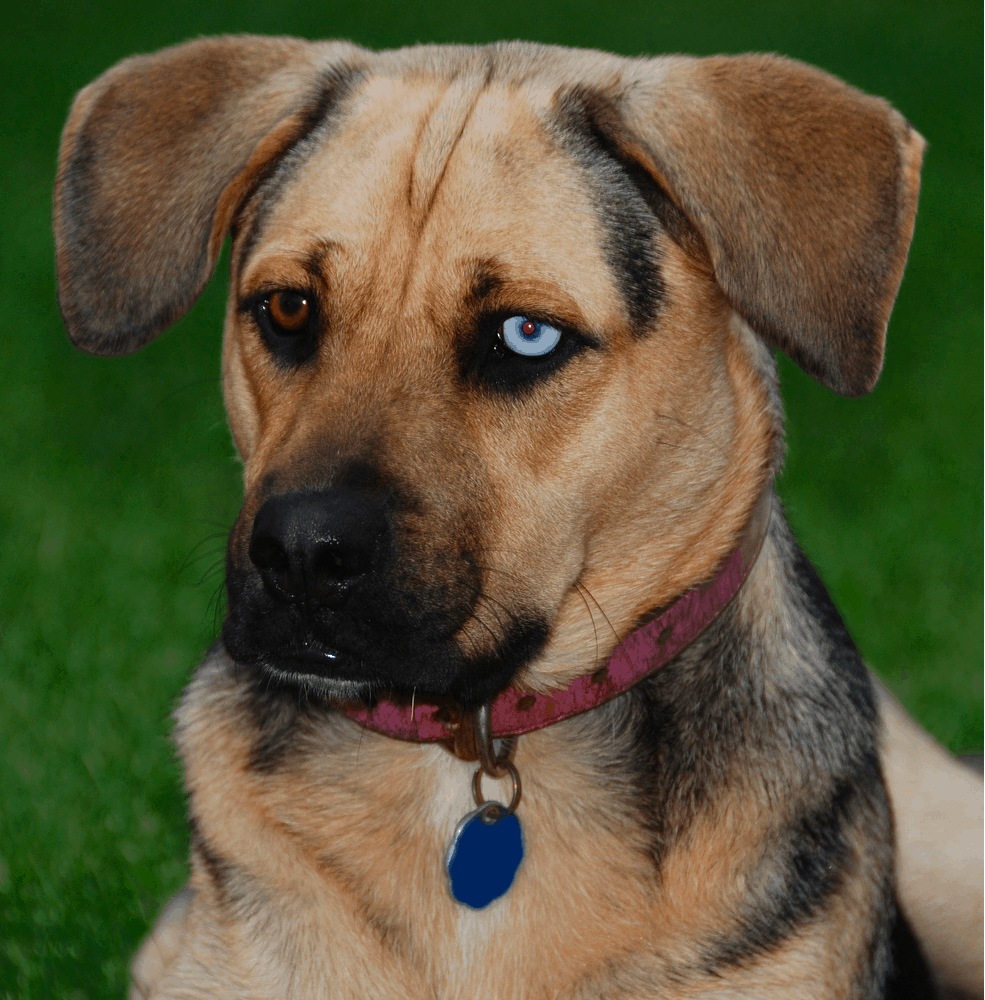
{"x":157,"y":157}
{"x":802,"y":189}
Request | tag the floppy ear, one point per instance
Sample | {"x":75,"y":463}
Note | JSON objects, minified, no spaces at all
{"x":802,"y":189}
{"x":157,"y":156}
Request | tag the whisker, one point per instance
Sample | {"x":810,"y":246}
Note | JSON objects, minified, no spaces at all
{"x":580,"y":591}
{"x":218,"y":564}
{"x":494,"y":604}
{"x":216,"y":603}
{"x":582,"y":588}
{"x":476,"y":618}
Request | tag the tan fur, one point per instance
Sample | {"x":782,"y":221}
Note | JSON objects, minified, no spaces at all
{"x":410,"y":194}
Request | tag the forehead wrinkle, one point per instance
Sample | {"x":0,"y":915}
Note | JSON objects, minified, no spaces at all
{"x":443,"y":130}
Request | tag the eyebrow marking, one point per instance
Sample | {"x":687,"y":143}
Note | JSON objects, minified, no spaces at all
{"x":313,"y":261}
{"x":486,"y":280}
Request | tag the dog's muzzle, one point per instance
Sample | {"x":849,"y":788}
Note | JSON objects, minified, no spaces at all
{"x":331,"y":591}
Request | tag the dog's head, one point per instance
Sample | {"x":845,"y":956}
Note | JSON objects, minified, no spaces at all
{"x":496,"y":353}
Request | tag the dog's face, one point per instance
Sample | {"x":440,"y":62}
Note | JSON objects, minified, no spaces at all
{"x":477,"y":497}
{"x":489,"y":355}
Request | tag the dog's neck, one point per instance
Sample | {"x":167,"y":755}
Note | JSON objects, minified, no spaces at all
{"x":642,"y":652}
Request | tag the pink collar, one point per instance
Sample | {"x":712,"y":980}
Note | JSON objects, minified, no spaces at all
{"x":638,"y":655}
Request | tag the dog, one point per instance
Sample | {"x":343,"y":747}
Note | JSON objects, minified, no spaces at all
{"x":498,"y":363}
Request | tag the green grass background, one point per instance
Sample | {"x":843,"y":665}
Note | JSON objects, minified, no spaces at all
{"x":119,"y":476}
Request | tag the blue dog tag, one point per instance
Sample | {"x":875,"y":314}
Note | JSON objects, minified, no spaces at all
{"x":484,"y":856}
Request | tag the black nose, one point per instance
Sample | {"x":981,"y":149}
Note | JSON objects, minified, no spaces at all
{"x":313,"y":547}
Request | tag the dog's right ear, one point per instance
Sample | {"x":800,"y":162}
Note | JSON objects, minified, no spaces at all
{"x":158,"y":155}
{"x":802,"y":190}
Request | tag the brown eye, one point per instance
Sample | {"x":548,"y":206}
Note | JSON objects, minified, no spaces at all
{"x":289,"y":311}
{"x":289,"y":321}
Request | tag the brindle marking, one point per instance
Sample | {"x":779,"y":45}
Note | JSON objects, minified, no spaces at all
{"x":429,"y":515}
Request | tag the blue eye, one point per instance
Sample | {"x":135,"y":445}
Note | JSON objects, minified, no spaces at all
{"x":530,"y":337}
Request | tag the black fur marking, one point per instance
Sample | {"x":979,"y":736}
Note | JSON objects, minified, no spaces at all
{"x":275,"y":715}
{"x":219,"y":869}
{"x":324,"y":114}
{"x":688,"y":723}
{"x":393,"y":935}
{"x":487,"y":675}
{"x":910,"y":976}
{"x":625,"y":199}
{"x":235,"y":889}
{"x":843,"y":654}
{"x":487,"y":279}
{"x":802,"y":875}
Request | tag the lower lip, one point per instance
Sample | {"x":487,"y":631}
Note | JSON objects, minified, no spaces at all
{"x":314,"y":657}
{"x":319,"y":670}
{"x":312,"y":660}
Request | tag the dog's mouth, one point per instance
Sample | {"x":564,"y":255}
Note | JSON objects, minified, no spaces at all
{"x":377,"y":648}
{"x":319,"y":668}
{"x":424,"y":668}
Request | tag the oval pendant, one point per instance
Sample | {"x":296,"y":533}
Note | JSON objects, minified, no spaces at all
{"x":484,"y":855}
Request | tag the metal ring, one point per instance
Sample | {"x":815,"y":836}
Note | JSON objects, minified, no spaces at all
{"x":495,"y":766}
{"x":501,"y":810}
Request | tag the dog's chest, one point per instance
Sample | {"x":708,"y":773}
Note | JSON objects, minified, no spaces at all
{"x":338,"y":851}
{"x":578,"y":903}
{"x":320,"y":858}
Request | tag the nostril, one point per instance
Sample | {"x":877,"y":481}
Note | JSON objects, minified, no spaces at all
{"x":335,"y":561}
{"x":267,"y":553}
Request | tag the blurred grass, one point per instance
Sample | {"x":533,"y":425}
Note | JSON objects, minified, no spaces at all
{"x":119,"y":475}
